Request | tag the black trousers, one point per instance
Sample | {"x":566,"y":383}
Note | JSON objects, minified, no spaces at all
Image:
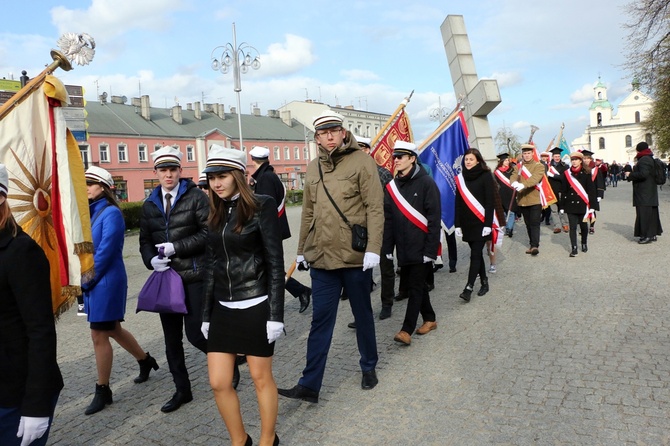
{"x":578,"y":220}
{"x":294,"y":287}
{"x":477,"y":265}
{"x":388,"y":281}
{"x":532,"y":217}
{"x":418,"y":298}
{"x":172,"y":330}
{"x":451,"y":249}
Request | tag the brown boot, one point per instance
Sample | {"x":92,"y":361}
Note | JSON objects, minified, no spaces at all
{"x":427,"y":327}
{"x":403,"y":337}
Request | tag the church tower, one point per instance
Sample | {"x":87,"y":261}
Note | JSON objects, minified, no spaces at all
{"x":600,"y":112}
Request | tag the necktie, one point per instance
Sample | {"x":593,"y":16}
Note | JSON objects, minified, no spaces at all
{"x":168,"y":203}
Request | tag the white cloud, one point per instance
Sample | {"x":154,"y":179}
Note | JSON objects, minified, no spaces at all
{"x":506,"y":79}
{"x":582,"y":95}
{"x":359,"y":75}
{"x":287,"y":57}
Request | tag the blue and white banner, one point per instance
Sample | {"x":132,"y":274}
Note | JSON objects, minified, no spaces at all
{"x":443,"y":153}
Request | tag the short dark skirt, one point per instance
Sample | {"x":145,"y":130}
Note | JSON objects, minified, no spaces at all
{"x":241,"y":331}
{"x":104,"y":326}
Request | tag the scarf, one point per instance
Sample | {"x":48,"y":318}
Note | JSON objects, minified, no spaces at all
{"x":644,"y":152}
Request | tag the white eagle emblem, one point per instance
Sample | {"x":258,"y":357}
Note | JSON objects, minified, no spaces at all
{"x":78,"y":48}
{"x":458,"y":165}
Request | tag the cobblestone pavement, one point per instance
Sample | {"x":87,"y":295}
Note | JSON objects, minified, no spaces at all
{"x":560,"y":351}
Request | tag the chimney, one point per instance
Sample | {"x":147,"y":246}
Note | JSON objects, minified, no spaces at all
{"x":209,"y":107}
{"x":176,"y":114}
{"x":233,"y":110}
{"x":117,"y":100}
{"x":221,"y":111}
{"x":189,"y":106}
{"x":145,"y":107}
{"x":257,"y":111}
{"x":196,"y":109}
{"x":286,"y":117}
{"x":136,"y":102}
{"x":273,"y":113}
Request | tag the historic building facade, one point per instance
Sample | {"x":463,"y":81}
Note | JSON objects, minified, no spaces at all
{"x":613,"y":136}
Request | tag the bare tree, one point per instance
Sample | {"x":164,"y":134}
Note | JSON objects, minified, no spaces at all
{"x":507,"y":142}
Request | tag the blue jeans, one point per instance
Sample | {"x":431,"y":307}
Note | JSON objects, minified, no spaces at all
{"x":9,"y":425}
{"x":326,"y":287}
{"x":511,"y":219}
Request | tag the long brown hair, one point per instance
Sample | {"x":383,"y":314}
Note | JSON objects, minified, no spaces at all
{"x":480,"y":158}
{"x":109,"y":195}
{"x":7,"y":219}
{"x":246,"y":204}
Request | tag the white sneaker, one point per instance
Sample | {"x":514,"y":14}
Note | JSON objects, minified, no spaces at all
{"x":80,"y":310}
{"x":492,"y":269}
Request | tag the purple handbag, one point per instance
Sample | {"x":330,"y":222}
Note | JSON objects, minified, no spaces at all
{"x":163,"y":292}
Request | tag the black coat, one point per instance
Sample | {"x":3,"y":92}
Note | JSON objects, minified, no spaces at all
{"x":410,"y":242}
{"x":571,"y":202}
{"x":645,"y":189}
{"x":268,"y":183}
{"x":249,"y":264}
{"x":185,"y":227}
{"x":480,"y":183}
{"x":506,"y":192}
{"x":556,"y":181}
{"x":29,"y":374}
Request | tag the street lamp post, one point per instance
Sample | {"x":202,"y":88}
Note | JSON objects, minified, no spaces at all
{"x":238,"y":59}
{"x":440,"y":113}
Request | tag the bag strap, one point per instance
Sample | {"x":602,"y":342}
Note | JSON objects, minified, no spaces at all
{"x":97,"y":214}
{"x":323,"y":183}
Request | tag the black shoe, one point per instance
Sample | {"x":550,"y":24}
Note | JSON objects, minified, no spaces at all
{"x":352,"y":325}
{"x":177,"y":400}
{"x":300,"y":393}
{"x":344,"y":296}
{"x":304,"y":299}
{"x":249,"y":441}
{"x":485,"y":287}
{"x":467,"y":293}
{"x":653,"y":239}
{"x":644,"y":241}
{"x":276,"y":442}
{"x":385,"y":313}
{"x":574,"y":252}
{"x":437,"y":267}
{"x":369,"y":380}
{"x":102,"y":397}
{"x":146,"y":365}
{"x":400,"y":296}
{"x":584,"y":247}
{"x":236,"y":376}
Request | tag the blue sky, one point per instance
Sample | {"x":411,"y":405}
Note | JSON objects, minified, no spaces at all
{"x":370,"y":54}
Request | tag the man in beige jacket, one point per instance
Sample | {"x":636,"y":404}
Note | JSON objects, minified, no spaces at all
{"x":525,"y":178}
{"x":350,"y":177}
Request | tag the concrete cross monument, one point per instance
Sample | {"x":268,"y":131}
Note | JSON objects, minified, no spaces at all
{"x":478,"y":97}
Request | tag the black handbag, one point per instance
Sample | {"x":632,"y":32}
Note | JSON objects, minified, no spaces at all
{"x":359,"y":234}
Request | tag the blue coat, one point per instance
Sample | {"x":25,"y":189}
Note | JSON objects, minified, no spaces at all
{"x":105,"y":295}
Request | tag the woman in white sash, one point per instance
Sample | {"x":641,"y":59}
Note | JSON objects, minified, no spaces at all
{"x":475,"y":207}
{"x":579,"y":194}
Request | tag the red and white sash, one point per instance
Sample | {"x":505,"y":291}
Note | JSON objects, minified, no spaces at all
{"x":577,"y":186}
{"x":476,"y":208}
{"x":503,"y":179}
{"x":525,"y":174}
{"x":282,"y":206}
{"x":552,"y":172}
{"x":407,"y":210}
{"x":594,"y":174}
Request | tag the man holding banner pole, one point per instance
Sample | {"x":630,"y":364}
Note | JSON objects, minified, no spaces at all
{"x":526,"y":179}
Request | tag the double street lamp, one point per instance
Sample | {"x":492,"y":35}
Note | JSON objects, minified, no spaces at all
{"x":238,"y":59}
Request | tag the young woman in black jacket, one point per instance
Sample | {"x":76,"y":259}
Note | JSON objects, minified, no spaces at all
{"x":578,"y":199}
{"x":244,"y":297}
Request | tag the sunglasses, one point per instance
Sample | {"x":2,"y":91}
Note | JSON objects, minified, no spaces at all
{"x":398,"y":157}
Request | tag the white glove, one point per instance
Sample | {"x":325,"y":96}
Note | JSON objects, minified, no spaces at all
{"x":592,"y":211}
{"x":32,"y":428}
{"x":599,"y":198}
{"x":486,"y":231}
{"x":458,"y":232}
{"x":160,"y":264}
{"x":168,"y":249}
{"x":274,"y":330}
{"x":427,"y":259}
{"x":302,"y":263}
{"x":370,"y":260}
{"x":518,"y":186}
{"x":204,"y":328}
{"x":389,"y":256}
{"x":562,"y":211}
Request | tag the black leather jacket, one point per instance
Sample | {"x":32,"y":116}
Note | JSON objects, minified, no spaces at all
{"x":247,"y":265}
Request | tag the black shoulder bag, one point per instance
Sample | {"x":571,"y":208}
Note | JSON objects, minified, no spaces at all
{"x":359,"y":234}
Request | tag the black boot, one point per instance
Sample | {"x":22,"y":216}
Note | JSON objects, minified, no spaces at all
{"x":102,"y":397}
{"x":236,"y":376}
{"x":485,"y":287}
{"x":146,"y":365}
{"x":584,"y":247}
{"x":467,"y":292}
{"x":574,"y":252}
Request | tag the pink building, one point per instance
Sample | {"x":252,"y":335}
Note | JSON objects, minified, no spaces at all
{"x":122,"y":136}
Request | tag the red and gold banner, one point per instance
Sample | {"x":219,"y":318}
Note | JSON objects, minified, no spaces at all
{"x":397,"y":128}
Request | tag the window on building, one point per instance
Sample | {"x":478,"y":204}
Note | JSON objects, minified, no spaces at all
{"x":367,"y":131}
{"x":190,"y":153}
{"x":121,"y":150}
{"x":599,"y":118}
{"x":83,"y":151}
{"x":287,"y":153}
{"x":121,"y":189}
{"x":637,"y":117}
{"x":142,"y":153}
{"x":275,"y":154}
{"x":157,"y":146}
{"x":601,"y":143}
{"x":648,"y":139}
{"x":149,"y":186}
{"x":296,"y":153}
{"x":104,"y":153}
{"x":600,"y":95}
{"x":305,"y":153}
{"x":629,"y":141}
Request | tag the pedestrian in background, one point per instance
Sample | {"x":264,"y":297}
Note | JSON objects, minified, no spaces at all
{"x":645,"y":196}
{"x":30,"y":380}
{"x":244,"y":299}
{"x":105,"y":294}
